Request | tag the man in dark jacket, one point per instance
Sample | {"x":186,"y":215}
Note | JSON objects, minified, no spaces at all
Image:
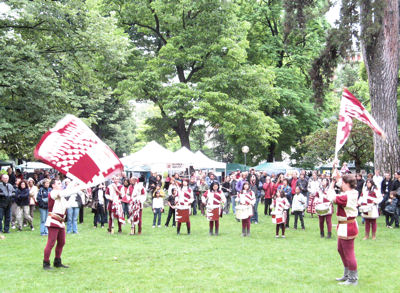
{"x":396,"y":187}
{"x":386,"y":187}
{"x":7,"y":192}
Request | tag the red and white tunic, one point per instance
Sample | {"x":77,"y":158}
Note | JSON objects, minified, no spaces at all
{"x":136,"y":202}
{"x":280,"y":206}
{"x":213,"y":201}
{"x":114,"y":204}
{"x":246,"y":200}
{"x":126,"y":193}
{"x":347,"y":213}
{"x":57,"y":206}
{"x":183,"y":201}
{"x":370,"y":198}
{"x":321,"y":197}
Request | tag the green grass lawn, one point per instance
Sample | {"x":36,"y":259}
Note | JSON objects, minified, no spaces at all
{"x":161,"y":261}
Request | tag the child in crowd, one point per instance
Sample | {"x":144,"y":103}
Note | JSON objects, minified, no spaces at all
{"x":390,"y":209}
{"x":158,"y":208}
{"x":280,"y":206}
{"x":298,"y":206}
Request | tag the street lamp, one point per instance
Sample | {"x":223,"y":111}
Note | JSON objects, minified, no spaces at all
{"x":245,"y":150}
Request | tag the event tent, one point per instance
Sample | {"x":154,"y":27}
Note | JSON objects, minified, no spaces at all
{"x":202,"y":161}
{"x":274,"y":167}
{"x":151,"y":154}
{"x":33,"y":166}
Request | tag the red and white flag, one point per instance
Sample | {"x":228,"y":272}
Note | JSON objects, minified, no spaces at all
{"x":351,"y":108}
{"x":74,"y":150}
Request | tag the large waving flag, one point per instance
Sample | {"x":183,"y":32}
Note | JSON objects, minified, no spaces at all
{"x":351,"y":108}
{"x":74,"y":150}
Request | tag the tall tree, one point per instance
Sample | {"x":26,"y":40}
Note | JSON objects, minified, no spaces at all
{"x":190,"y":61}
{"x":380,"y":44}
{"x":379,"y":37}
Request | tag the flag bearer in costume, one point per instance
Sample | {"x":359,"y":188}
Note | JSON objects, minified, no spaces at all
{"x":246,"y":200}
{"x":182,"y":207}
{"x":114,"y":208}
{"x":347,"y":228}
{"x":136,"y":206}
{"x":368,"y":202}
{"x":324,"y":209}
{"x":57,"y":207}
{"x":213,"y":199}
{"x":281,"y":206}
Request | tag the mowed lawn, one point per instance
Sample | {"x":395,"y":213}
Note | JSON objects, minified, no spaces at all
{"x":161,"y":261}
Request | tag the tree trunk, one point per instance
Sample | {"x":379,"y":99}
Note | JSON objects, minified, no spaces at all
{"x":381,"y":57}
{"x":183,"y":133}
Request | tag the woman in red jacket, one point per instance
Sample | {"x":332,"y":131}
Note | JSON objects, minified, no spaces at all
{"x":270,"y":190}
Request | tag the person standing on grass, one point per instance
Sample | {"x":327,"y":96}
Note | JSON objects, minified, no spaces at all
{"x":98,"y":205}
{"x":22,"y":201}
{"x":246,"y":200}
{"x":73,"y":213}
{"x":183,"y":203}
{"x":126,"y":191}
{"x":114,"y":206}
{"x":136,"y":206}
{"x":347,"y":228}
{"x":280,"y":205}
{"x":213,"y":199}
{"x":171,"y":204}
{"x":57,"y":207}
{"x":158,"y":208}
{"x":321,"y":198}
{"x":313,"y":188}
{"x":298,"y":205}
{"x":42,"y":199}
{"x":268,"y":187}
{"x":370,"y":199}
{"x":6,"y":193}
{"x":33,"y":191}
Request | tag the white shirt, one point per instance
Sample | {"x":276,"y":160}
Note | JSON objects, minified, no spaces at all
{"x":158,"y":203}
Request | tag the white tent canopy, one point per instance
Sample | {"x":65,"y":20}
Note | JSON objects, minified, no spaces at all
{"x":34,"y":165}
{"x":151,"y":154}
{"x":205,"y":162}
{"x":155,"y":156}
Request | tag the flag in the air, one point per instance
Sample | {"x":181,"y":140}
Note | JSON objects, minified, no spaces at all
{"x":351,"y":108}
{"x":74,"y":150}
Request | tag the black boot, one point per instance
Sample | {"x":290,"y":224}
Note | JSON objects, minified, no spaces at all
{"x":322,"y":234}
{"x":248,"y":232}
{"x":211,"y":232}
{"x":216,"y":232}
{"x":244,"y":232}
{"x":58,"y":264}
{"x":46,"y":265}
{"x":329,"y":235}
{"x":188,"y":229}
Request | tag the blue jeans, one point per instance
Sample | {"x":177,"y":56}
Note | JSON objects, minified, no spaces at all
{"x":233,"y":200}
{"x":157,"y":213}
{"x":43,"y":218}
{"x":254,"y":218}
{"x":125,"y":208}
{"x":72,"y":223}
{"x":6,"y":213}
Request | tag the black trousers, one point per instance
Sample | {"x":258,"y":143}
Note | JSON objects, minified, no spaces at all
{"x":81,"y":214}
{"x":298,"y":214}
{"x":171,"y":213}
{"x":267,"y":206}
{"x":99,"y":216}
{"x":287,"y":218}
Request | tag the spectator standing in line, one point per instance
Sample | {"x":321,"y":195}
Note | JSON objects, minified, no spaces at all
{"x":226,"y":189}
{"x":42,"y":199}
{"x":233,"y":192}
{"x":22,"y":201}
{"x":396,"y":188}
{"x":73,"y":213}
{"x":386,"y":187}
{"x":268,"y":187}
{"x":171,"y":204}
{"x":98,"y":205}
{"x":7,"y":192}
{"x":33,"y":191}
{"x":298,"y":206}
{"x":158,"y":208}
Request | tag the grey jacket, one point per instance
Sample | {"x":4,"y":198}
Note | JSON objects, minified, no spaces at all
{"x":7,"y":192}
